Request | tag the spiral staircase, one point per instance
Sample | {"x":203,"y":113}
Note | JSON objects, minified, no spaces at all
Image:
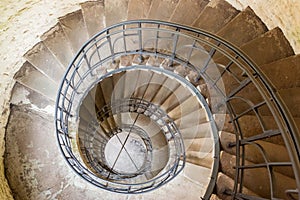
{"x":168,"y":105}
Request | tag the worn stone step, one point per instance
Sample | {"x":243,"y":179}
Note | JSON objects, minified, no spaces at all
{"x":94,"y":16}
{"x":22,"y":95}
{"x":165,"y":91}
{"x":197,"y":174}
{"x":283,"y":73}
{"x":291,"y":98}
{"x":157,"y":81}
{"x":198,"y":131}
{"x":194,"y":8}
{"x":215,"y":15}
{"x":162,"y":10}
{"x":261,"y":183}
{"x":142,"y":84}
{"x":130,"y":83}
{"x":204,"y":145}
{"x":115,"y":11}
{"x":223,"y":122}
{"x":138,"y":9}
{"x":245,"y":27}
{"x":58,"y":44}
{"x":29,"y":76}
{"x":273,"y":152}
{"x":225,"y":185}
{"x":200,"y":159}
{"x":189,"y":105}
{"x":269,"y":47}
{"x":192,"y":119}
{"x":75,"y":29}
{"x":178,"y":96}
{"x":126,"y":61}
{"x":41,"y":58}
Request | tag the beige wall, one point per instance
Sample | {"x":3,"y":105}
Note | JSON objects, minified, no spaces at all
{"x":282,"y":13}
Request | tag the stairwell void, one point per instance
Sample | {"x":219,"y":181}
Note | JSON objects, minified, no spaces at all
{"x":149,"y":107}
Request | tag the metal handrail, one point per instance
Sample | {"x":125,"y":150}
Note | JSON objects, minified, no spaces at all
{"x":165,"y":39}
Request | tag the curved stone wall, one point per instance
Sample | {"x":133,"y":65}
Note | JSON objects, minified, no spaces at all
{"x":281,"y":13}
{"x":22,"y":22}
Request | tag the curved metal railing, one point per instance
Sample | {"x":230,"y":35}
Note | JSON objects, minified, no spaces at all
{"x":236,"y":86}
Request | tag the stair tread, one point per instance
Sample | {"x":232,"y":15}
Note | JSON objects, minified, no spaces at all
{"x":194,"y":8}
{"x":291,"y":98}
{"x":22,"y":95}
{"x":198,"y":131}
{"x":269,"y":47}
{"x":214,"y":17}
{"x":74,"y":29}
{"x":261,"y":183}
{"x":115,"y":11}
{"x":243,"y":28}
{"x":192,"y":119}
{"x":34,"y":79}
{"x":41,"y":58}
{"x":284,"y":73}
{"x":138,"y":9}
{"x":93,"y":14}
{"x":162,"y":10}
{"x":197,"y":174}
{"x":225,"y":183}
{"x":273,"y":152}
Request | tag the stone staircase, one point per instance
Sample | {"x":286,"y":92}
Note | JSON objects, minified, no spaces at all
{"x":36,"y":169}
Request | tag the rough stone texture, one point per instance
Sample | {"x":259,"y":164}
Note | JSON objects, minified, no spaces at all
{"x":284,"y":73}
{"x":93,"y":10}
{"x":194,"y":8}
{"x":162,"y":9}
{"x":282,"y":13}
{"x":260,"y":184}
{"x":22,"y":22}
{"x":138,"y":9}
{"x":243,"y":28}
{"x":213,"y":18}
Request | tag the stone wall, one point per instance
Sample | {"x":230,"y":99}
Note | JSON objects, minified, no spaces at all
{"x":281,"y":13}
{"x":21,"y":24}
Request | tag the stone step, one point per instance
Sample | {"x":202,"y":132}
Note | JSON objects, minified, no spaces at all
{"x":165,"y":91}
{"x":192,"y":119}
{"x":93,"y":14}
{"x":130,"y":83}
{"x":58,"y":45}
{"x":197,"y":131}
{"x":126,"y":61}
{"x":197,"y":174}
{"x":22,"y":95}
{"x":225,"y":185}
{"x":203,"y":146}
{"x":184,"y":108}
{"x":291,"y":98}
{"x":178,"y":96}
{"x":75,"y":29}
{"x":269,"y":47}
{"x":194,"y":8}
{"x":250,"y":126}
{"x":215,"y":15}
{"x":157,"y":81}
{"x":162,"y":10}
{"x":283,"y":73}
{"x":115,"y":11}
{"x":41,"y":58}
{"x":138,"y":9}
{"x":29,"y":76}
{"x":223,"y":122}
{"x":200,"y":159}
{"x":245,"y":27}
{"x":273,"y":152}
{"x":142,"y":84}
{"x":261,"y":183}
